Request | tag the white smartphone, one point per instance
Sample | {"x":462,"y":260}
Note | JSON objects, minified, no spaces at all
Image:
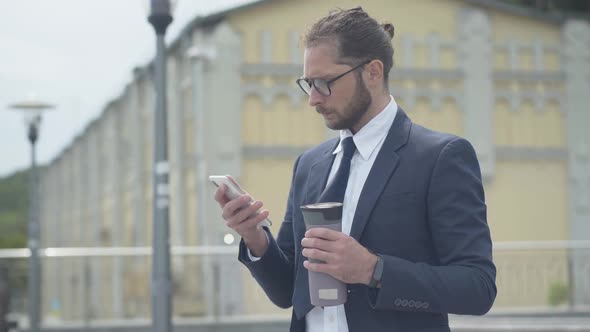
{"x":233,"y":191}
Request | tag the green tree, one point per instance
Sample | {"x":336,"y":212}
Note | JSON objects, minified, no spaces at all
{"x":14,"y":204}
{"x":14,"y":210}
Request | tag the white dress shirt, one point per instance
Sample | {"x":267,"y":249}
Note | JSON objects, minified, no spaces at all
{"x":368,"y":143}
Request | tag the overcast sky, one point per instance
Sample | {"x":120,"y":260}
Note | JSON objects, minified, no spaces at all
{"x":76,"y":54}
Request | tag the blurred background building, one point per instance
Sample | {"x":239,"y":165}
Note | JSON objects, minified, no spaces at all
{"x":511,"y":80}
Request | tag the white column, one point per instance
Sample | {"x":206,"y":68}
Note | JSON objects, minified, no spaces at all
{"x":218,"y":115}
{"x":176,"y":150}
{"x":225,"y":151}
{"x":475,"y":57}
{"x":137,"y":134}
{"x":98,"y":306}
{"x":138,"y":182}
{"x":576,"y":65}
{"x":86,"y":174}
{"x":113,"y":120}
{"x":200,"y":55}
{"x":78,"y":223}
{"x":47,"y":219}
{"x":67,"y":239}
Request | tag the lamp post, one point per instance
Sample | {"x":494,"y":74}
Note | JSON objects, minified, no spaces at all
{"x":32,"y":112}
{"x":160,"y":17}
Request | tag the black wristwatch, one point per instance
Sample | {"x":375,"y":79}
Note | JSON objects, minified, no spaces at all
{"x":377,"y":273}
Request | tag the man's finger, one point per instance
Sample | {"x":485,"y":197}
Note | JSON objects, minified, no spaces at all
{"x":318,"y":267}
{"x":317,"y":254}
{"x":317,"y":243}
{"x":251,"y":222}
{"x":220,"y":195}
{"x":246,"y":213}
{"x":233,"y":206}
{"x":324,"y":233}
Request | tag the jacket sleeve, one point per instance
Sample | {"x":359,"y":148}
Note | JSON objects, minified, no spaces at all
{"x":274,"y":270}
{"x":463,"y":281}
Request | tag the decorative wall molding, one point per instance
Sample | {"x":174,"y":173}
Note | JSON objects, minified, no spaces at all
{"x":269,"y":93}
{"x":508,"y":153}
{"x":273,"y":151}
{"x":426,"y":74}
{"x":537,"y":44}
{"x":504,"y":153}
{"x":433,"y":42}
{"x":396,"y":73}
{"x":539,"y":99}
{"x":436,"y":97}
{"x":528,"y":76}
{"x":272,"y":69}
{"x":514,"y":48}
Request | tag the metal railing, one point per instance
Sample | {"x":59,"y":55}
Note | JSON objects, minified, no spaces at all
{"x":93,"y":287}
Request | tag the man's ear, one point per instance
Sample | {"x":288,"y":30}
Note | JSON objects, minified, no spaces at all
{"x":375,"y":71}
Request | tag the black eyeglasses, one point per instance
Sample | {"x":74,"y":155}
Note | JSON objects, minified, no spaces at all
{"x":322,"y":86}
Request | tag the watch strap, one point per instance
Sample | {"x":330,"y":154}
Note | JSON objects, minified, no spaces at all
{"x":377,"y":272}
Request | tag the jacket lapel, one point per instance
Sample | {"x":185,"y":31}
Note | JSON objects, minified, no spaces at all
{"x":383,"y":168}
{"x":318,"y":174}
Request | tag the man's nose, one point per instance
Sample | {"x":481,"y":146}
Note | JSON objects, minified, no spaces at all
{"x":315,"y":98}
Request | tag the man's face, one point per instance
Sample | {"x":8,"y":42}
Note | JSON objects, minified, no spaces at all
{"x":349,"y":99}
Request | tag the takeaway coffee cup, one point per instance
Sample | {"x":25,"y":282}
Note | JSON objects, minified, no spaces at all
{"x":324,"y":290}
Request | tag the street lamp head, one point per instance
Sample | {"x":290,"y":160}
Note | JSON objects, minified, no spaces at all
{"x":32,"y":110}
{"x":161,"y":14}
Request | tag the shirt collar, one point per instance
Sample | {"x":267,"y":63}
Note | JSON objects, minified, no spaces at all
{"x":367,"y":139}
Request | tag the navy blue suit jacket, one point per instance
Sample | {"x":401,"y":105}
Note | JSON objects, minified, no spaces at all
{"x":422,"y":208}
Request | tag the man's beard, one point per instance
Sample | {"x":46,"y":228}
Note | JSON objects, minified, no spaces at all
{"x":353,"y":112}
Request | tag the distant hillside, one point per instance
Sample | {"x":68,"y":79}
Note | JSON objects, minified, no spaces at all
{"x":14,"y":210}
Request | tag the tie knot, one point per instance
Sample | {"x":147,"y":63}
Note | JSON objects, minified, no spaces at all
{"x":348,"y":147}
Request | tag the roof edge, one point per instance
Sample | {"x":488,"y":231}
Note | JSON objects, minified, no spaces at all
{"x":556,"y":17}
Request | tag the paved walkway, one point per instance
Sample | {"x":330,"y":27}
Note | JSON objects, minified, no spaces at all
{"x":493,"y":323}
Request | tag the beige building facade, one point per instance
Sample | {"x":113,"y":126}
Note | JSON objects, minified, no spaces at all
{"x":512,"y":83}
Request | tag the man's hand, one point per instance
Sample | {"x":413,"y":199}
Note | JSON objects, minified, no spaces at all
{"x":345,"y":259}
{"x":243,"y":217}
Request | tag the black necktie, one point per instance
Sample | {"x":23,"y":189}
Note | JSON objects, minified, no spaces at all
{"x":334,"y":192}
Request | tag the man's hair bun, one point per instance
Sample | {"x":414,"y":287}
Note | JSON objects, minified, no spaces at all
{"x":388,"y":27}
